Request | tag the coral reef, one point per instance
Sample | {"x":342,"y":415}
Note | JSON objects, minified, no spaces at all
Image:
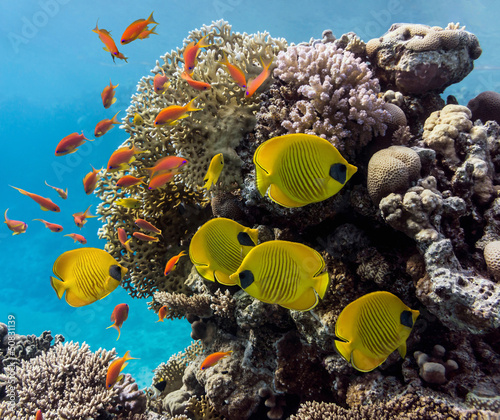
{"x":485,"y":107}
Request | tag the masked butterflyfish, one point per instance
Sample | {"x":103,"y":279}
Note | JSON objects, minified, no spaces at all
{"x":299,"y":169}
{"x":218,"y":248}
{"x":372,"y":327}
{"x":287,"y":273}
{"x":86,"y":275}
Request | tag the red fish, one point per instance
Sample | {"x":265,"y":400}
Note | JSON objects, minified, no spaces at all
{"x":120,"y":158}
{"x":162,"y":313}
{"x":77,"y":238}
{"x":255,"y":83}
{"x":191,"y":52}
{"x":235,"y":72}
{"x":161,"y":82}
{"x":90,"y":180}
{"x":143,"y":224}
{"x":38,"y":415}
{"x":45,"y":203}
{"x":197,"y":84}
{"x":173,"y":113}
{"x":134,"y":29}
{"x":213,"y":358}
{"x":114,"y":369}
{"x":16,"y":226}
{"x":144,"y":237}
{"x":108,"y":95}
{"x":167,"y":164}
{"x":122,"y":237}
{"x":146,"y":32}
{"x":70,"y":143}
{"x":107,"y":40}
{"x":119,"y":316}
{"x":172,"y":263}
{"x":63,"y":194}
{"x":160,"y":180}
{"x":127,"y":181}
{"x":81,"y":217}
{"x":103,"y":126}
{"x":53,"y":227}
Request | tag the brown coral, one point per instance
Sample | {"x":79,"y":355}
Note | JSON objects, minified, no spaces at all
{"x":492,"y":258}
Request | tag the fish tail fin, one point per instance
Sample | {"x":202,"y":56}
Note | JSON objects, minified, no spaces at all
{"x":321,"y":283}
{"x":96,"y":29}
{"x":190,"y":107}
{"x":5,"y":215}
{"x":151,"y":19}
{"x":266,"y":63}
{"x":153,"y":30}
{"x":127,"y":357}
{"x":58,"y":286}
{"x":20,"y":190}
{"x":117,"y":328}
{"x":202,"y":43}
{"x":208,"y":182}
{"x":344,"y":348}
{"x":224,"y":62}
{"x":114,"y":120}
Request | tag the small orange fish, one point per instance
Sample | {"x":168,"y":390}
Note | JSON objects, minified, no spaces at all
{"x":107,"y":40}
{"x":70,"y":143}
{"x":135,"y":28}
{"x":108,"y":95}
{"x":38,"y":415}
{"x":143,"y":224}
{"x":162,"y":313}
{"x":235,"y":72}
{"x":53,"y":227}
{"x":121,"y":57}
{"x":255,"y":83}
{"x":77,"y":237}
{"x":122,"y":237}
{"x":167,"y":164}
{"x":197,"y":84}
{"x":114,"y":369}
{"x":45,"y":203}
{"x":120,"y":158}
{"x":63,"y":194}
{"x":144,"y":237}
{"x":90,"y":180}
{"x":103,"y":126}
{"x":173,"y":113}
{"x":80,"y":218}
{"x":191,"y":52}
{"x":161,"y":179}
{"x":146,"y":32}
{"x":213,"y":358}
{"x":16,"y":226}
{"x":119,"y":316}
{"x":161,"y":82}
{"x":172,"y":263}
{"x":127,"y":181}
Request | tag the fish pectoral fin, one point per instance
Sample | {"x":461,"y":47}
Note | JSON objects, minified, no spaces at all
{"x":365,"y":363}
{"x":402,"y":349}
{"x":305,"y":302}
{"x":106,"y":49}
{"x":278,"y":196}
{"x":223,"y":278}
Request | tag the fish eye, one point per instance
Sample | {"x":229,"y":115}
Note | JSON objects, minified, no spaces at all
{"x":244,"y":239}
{"x":246,"y":278}
{"x":338,"y":172}
{"x":406,"y":319}
{"x":115,"y":272}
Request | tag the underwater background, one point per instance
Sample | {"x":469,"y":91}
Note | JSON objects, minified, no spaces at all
{"x":53,"y":70}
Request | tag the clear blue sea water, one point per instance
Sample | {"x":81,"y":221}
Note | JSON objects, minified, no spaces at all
{"x":52,"y":70}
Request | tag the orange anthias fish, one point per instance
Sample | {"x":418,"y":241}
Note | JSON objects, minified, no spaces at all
{"x":38,"y":415}
{"x":90,"y":180}
{"x":119,"y":316}
{"x":235,"y":72}
{"x":115,"y":368}
{"x":108,"y":95}
{"x":173,"y":113}
{"x":255,"y":83}
{"x":70,"y":143}
{"x":16,"y":226}
{"x":63,"y":194}
{"x":161,"y":82}
{"x":77,"y":238}
{"x":122,"y":237}
{"x":161,"y":179}
{"x":143,"y":224}
{"x":144,"y":237}
{"x":213,"y":358}
{"x":120,"y":158}
{"x":167,"y":164}
{"x":172,"y":263}
{"x":162,"y":313}
{"x":146,"y":32}
{"x":107,"y":40}
{"x":197,"y":84}
{"x":127,"y":181}
{"x":103,"y":126}
{"x":134,"y":29}
{"x":53,"y":227}
{"x":81,"y":217}
{"x":45,"y":203}
{"x":191,"y":52}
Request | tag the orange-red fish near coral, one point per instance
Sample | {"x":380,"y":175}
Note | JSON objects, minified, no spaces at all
{"x":144,"y":237}
{"x":235,"y":72}
{"x":191,"y":52}
{"x":196,"y":84}
{"x":119,"y":316}
{"x":161,"y":179}
{"x":135,"y":28}
{"x":108,"y":95}
{"x":114,"y":369}
{"x":254,"y":84}
{"x":53,"y":227}
{"x":146,"y":32}
{"x":167,"y":164}
{"x":172,"y":263}
{"x":129,"y":181}
{"x":121,"y":57}
{"x":45,"y":203}
{"x":161,"y":82}
{"x":144,"y":224}
{"x":16,"y":226}
{"x":90,"y":180}
{"x":107,"y":40}
{"x":162,"y":313}
{"x":122,"y":237}
{"x":38,"y":415}
{"x":77,"y":238}
{"x":81,"y":217}
{"x":120,"y":158}
{"x":173,"y":113}
{"x":213,"y":358}
{"x":63,"y":194}
{"x":103,"y":126}
{"x":70,"y":143}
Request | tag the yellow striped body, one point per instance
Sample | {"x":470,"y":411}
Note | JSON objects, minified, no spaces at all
{"x":300,"y":169}
{"x":289,"y":274}
{"x":372,"y":327}
{"x":86,"y":275}
{"x":218,"y":247}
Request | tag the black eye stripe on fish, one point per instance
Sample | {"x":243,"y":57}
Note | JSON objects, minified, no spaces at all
{"x":246,"y":278}
{"x":406,"y":319}
{"x":338,"y":172}
{"x":244,"y":239}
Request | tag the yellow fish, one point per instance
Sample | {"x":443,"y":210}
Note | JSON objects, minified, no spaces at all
{"x":138,"y":120}
{"x":372,"y":327}
{"x":218,"y":248}
{"x":86,"y":275}
{"x":300,"y":169}
{"x":130,"y":203}
{"x":214,"y":170}
{"x":287,"y":273}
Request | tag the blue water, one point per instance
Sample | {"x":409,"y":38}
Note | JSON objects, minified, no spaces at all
{"x":52,"y":71}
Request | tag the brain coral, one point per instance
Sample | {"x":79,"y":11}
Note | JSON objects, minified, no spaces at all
{"x":416,"y":58}
{"x":492,"y":258}
{"x":485,"y":106}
